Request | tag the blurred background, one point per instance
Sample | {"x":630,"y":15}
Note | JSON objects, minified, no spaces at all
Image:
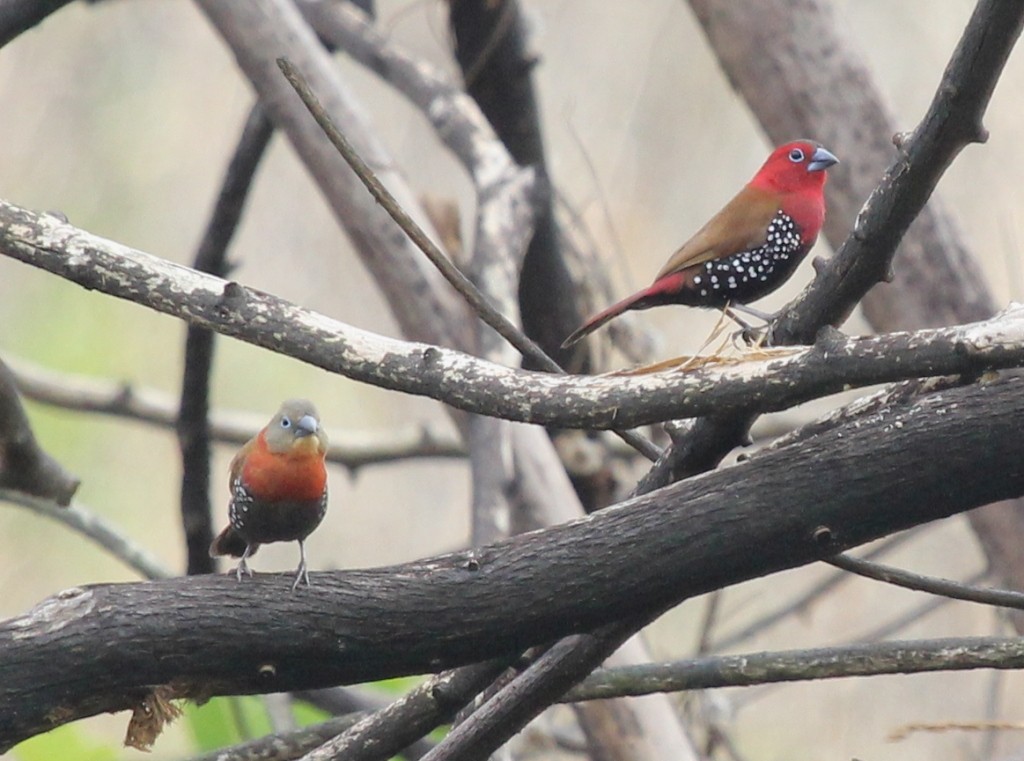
{"x":122,"y":116}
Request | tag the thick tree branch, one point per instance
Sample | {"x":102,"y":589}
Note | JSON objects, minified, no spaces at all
{"x":769,"y":513}
{"x":834,"y":364}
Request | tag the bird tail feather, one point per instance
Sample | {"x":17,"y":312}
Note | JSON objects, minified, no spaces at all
{"x":650,"y":296}
{"x":229,"y":542}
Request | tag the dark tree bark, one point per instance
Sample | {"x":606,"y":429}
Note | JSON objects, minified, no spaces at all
{"x":102,"y":648}
{"x":491,"y":50}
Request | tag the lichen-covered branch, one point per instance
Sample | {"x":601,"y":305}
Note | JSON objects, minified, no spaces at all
{"x":778,"y":381}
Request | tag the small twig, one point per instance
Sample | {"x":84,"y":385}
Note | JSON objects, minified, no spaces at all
{"x":461,"y":283}
{"x":803,"y":602}
{"x":949,"y":726}
{"x":479,"y":303}
{"x":1002,"y":597}
{"x":94,"y":527}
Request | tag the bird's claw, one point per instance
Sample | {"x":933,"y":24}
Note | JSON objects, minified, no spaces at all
{"x":751,"y":336}
{"x":301,"y":575}
{"x":243,"y":567}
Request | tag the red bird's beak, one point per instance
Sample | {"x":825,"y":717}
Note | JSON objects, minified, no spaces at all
{"x":821,"y":160}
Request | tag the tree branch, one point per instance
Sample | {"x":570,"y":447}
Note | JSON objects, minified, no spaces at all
{"x":909,"y":657}
{"x":835,"y":363}
{"x":94,"y":527}
{"x":24,"y":466}
{"x":769,"y":513}
{"x":193,"y":424}
{"x":17,"y":16}
{"x":350,"y":449}
{"x":1002,"y":597}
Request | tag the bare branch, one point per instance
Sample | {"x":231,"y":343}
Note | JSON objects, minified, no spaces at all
{"x":193,"y":425}
{"x":1002,"y":597}
{"x":910,"y":657}
{"x":384,"y":733}
{"x":94,"y":527}
{"x":348,"y":448}
{"x":24,"y":466}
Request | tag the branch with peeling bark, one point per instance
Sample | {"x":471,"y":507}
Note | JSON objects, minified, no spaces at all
{"x":464,"y":382}
{"x":769,"y":513}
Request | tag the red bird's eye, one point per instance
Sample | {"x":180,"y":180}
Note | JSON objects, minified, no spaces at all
{"x":796,"y":155}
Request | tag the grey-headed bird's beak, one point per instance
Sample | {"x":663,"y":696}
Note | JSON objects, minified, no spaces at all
{"x":306,"y":426}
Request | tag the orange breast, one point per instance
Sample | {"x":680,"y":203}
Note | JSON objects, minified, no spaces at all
{"x":275,"y":477}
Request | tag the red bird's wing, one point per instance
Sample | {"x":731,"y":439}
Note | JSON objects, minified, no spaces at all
{"x":740,"y":225}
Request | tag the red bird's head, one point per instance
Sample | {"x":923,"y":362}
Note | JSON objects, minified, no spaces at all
{"x":794,"y":168}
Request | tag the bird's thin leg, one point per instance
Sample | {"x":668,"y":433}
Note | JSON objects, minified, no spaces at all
{"x":766,"y":316}
{"x":301,"y":574}
{"x":243,"y":567}
{"x":748,"y":332}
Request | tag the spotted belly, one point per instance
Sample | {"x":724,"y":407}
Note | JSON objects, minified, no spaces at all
{"x":747,"y":275}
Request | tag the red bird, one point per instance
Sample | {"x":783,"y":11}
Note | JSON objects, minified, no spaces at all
{"x":750,"y":247}
{"x":278,"y":487}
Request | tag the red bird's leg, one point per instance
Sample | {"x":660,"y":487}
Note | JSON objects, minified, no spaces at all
{"x":301,"y":574}
{"x":753,"y":312}
{"x":243,"y":567}
{"x":748,"y":332}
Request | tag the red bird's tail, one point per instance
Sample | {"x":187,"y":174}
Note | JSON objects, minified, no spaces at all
{"x":659,"y":292}
{"x":229,"y":542}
